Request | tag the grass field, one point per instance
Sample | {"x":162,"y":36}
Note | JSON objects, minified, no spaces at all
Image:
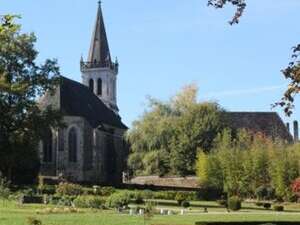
{"x":12,"y":214}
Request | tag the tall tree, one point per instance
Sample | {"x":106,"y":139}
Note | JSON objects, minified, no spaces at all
{"x":168,"y":135}
{"x":22,"y":82}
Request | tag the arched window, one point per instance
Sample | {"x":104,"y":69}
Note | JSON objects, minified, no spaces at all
{"x":47,"y":146}
{"x":73,"y":145}
{"x":91,"y":85}
{"x":99,"y":85}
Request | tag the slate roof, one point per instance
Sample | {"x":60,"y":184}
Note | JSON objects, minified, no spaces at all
{"x":268,"y":123}
{"x":78,"y":100}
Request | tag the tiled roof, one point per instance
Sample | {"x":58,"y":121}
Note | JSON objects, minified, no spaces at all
{"x":268,"y":123}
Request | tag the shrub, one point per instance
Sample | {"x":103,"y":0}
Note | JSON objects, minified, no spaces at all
{"x":278,"y":208}
{"x":117,"y":200}
{"x":69,"y":189}
{"x":234,"y":203}
{"x":185,"y":204}
{"x":138,"y":198}
{"x":46,"y":189}
{"x":54,"y":200}
{"x":33,"y":221}
{"x":222,"y":202}
{"x":4,"y":187}
{"x":180,"y":197}
{"x":107,"y":191}
{"x":259,"y":204}
{"x":296,"y":187}
{"x":24,"y":199}
{"x":265,"y":192}
{"x":89,"y":202}
{"x":165,"y":195}
{"x":267,"y":205}
{"x":65,"y":201}
{"x":147,"y":194}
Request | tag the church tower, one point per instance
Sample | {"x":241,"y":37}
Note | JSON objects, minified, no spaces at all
{"x":99,"y":73}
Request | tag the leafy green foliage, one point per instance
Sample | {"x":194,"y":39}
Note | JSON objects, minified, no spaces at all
{"x":265,"y":192}
{"x":180,"y":197}
{"x":234,"y":203}
{"x":4,"y":188}
{"x":68,"y":189}
{"x":278,"y":208}
{"x":167,"y":137}
{"x":22,"y":82}
{"x":117,"y":200}
{"x":33,"y":221}
{"x":249,"y":165}
{"x":89,"y":202}
{"x":185,"y":204}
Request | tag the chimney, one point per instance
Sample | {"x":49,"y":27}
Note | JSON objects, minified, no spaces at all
{"x":296,"y":131}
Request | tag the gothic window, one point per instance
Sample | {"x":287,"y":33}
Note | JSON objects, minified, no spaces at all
{"x":73,"y":148}
{"x":111,"y":155}
{"x":99,"y":85}
{"x":47,"y":146}
{"x":91,"y":85}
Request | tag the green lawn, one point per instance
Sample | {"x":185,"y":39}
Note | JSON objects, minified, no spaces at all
{"x":11,"y":214}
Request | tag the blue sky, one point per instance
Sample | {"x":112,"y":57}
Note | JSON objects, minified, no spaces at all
{"x":163,"y":45}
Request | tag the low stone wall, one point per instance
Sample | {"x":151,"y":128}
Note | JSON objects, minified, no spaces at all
{"x":173,"y":182}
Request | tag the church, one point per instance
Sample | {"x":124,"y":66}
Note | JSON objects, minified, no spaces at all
{"x":90,"y":148}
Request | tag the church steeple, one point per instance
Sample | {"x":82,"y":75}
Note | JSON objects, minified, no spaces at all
{"x":99,"y":73}
{"x":99,"y":50}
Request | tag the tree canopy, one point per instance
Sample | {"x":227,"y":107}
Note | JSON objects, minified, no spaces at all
{"x":244,"y":164}
{"x":22,"y":82}
{"x":165,"y":140}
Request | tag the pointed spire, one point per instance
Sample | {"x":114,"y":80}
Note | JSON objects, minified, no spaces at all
{"x":99,"y":50}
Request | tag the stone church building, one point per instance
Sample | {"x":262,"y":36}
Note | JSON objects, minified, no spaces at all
{"x":90,"y":148}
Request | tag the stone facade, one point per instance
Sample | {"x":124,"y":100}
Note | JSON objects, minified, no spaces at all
{"x":90,"y":147}
{"x":100,"y":155}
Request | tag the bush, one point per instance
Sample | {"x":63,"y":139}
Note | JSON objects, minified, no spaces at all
{"x":265,"y":193}
{"x":117,"y":200}
{"x":89,"y":202}
{"x":260,"y":204}
{"x":147,"y":194}
{"x":24,"y":199}
{"x":222,"y":202}
{"x":33,"y":221}
{"x":107,"y":191}
{"x":138,"y":198}
{"x":234,"y":203}
{"x":69,"y":189}
{"x":4,"y":188}
{"x":65,"y":201}
{"x":165,"y":195}
{"x":185,"y":204}
{"x":180,"y":197}
{"x":267,"y":205}
{"x":278,"y":208}
{"x":46,"y":189}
